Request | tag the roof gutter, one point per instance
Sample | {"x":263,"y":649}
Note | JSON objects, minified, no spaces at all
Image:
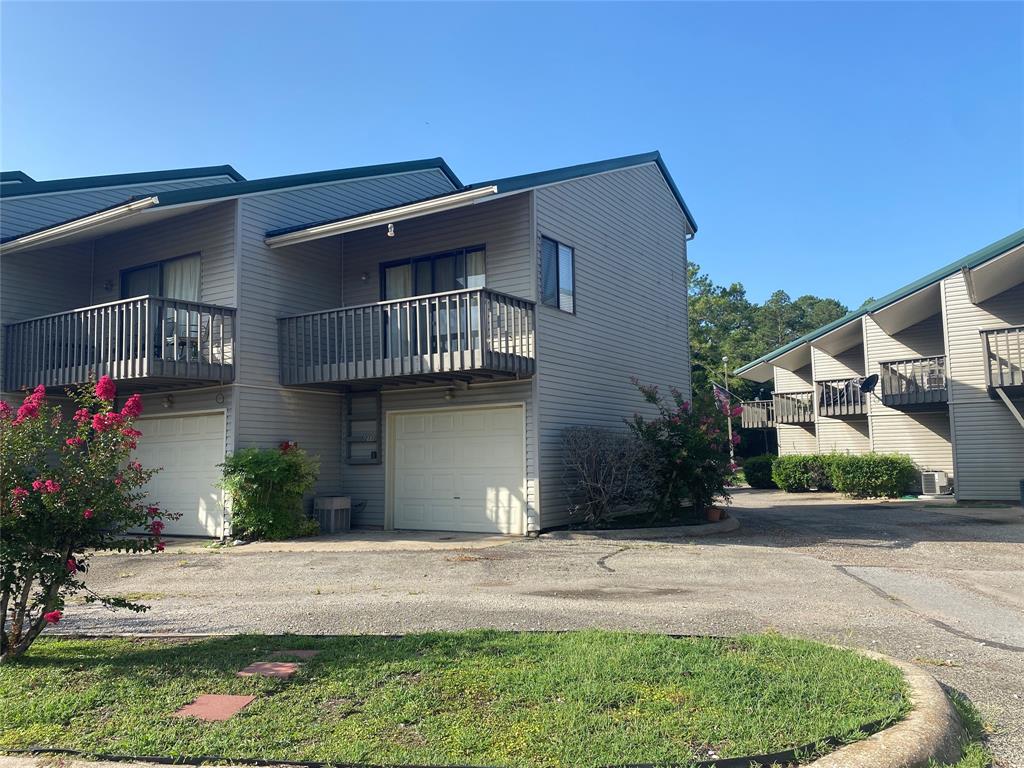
{"x":78,"y":225}
{"x":368,"y":220}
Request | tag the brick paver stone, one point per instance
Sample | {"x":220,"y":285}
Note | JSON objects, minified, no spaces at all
{"x":281,"y":669}
{"x":214,"y":706}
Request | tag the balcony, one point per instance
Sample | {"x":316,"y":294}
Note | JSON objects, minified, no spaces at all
{"x":470,"y":335}
{"x":758,"y":414}
{"x":917,"y":384}
{"x":794,"y":407}
{"x":151,"y":341}
{"x":1004,"y":359}
{"x":841,"y":398}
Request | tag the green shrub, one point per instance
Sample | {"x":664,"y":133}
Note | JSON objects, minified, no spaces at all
{"x":758,"y":471}
{"x":805,"y":472}
{"x":266,"y":488}
{"x":872,"y":475}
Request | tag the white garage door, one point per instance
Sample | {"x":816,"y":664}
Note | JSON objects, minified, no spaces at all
{"x":459,"y":470}
{"x":188,"y":448}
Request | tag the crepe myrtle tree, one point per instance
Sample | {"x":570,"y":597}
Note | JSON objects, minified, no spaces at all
{"x":68,"y":488}
{"x":687,"y":450}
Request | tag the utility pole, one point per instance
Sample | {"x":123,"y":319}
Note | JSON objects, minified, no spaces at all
{"x":728,"y":416}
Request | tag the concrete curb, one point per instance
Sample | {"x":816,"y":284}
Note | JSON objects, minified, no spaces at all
{"x":931,"y":732}
{"x":730,"y":523}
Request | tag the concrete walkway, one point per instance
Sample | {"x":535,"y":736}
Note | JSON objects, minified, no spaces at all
{"x":943,"y":587}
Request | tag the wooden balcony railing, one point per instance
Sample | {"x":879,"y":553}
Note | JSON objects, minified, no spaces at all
{"x":914,"y":383}
{"x":1004,"y":356}
{"x":841,"y":397}
{"x":469,"y":331}
{"x":794,"y":407}
{"x":138,"y":338}
{"x":757,"y":414}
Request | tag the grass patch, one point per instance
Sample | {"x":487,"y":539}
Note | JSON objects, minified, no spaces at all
{"x":976,"y":754}
{"x":480,"y":698}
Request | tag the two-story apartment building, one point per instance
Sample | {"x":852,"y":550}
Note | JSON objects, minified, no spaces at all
{"x":934,"y":370}
{"x":428,"y":340}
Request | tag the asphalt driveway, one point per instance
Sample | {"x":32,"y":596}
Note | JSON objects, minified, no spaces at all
{"x":940,"y":586}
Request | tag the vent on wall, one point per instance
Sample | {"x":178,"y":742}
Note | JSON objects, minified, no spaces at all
{"x":934,"y":483}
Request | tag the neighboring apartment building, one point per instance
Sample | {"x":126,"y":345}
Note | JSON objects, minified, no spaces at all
{"x":428,"y":340}
{"x":948,"y":351}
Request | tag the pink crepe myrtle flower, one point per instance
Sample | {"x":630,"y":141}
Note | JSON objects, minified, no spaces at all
{"x":82,"y":416}
{"x":118,"y":480}
{"x":105,"y":388}
{"x":45,"y":486}
{"x":132,"y":408}
{"x":87,"y":514}
{"x":74,"y":441}
{"x":156,"y":527}
{"x":101,"y":422}
{"x":159,"y":546}
{"x":736,"y":411}
{"x":53,"y":617}
{"x":29,"y":408}
{"x":5,"y":410}
{"x":152,"y":511}
{"x":19,"y":493}
{"x":132,"y":433}
{"x":72,"y":565}
{"x":735,"y":438}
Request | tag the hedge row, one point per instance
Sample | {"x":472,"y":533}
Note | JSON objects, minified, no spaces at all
{"x":869,"y":475}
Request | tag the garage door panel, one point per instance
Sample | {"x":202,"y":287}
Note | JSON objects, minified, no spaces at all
{"x":187,"y":450}
{"x":460,"y":470}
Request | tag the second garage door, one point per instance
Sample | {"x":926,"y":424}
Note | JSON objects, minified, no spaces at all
{"x":459,"y":470}
{"x":188,"y":448}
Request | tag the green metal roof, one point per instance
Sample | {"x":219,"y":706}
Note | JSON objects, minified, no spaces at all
{"x":16,"y":176}
{"x":199,"y":194}
{"x":523,"y":183}
{"x":969,"y":261}
{"x":116,"y":180}
{"x":531,"y":180}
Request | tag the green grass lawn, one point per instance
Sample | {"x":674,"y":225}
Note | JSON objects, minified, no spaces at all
{"x":482,"y":698}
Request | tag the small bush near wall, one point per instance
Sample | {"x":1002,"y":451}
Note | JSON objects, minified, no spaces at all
{"x":604,"y":472}
{"x":873,"y":475}
{"x":799,"y":473}
{"x":266,"y":487}
{"x":758,"y":471}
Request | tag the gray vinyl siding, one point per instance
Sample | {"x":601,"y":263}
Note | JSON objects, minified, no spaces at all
{"x":366,"y":483}
{"x":304,"y":277}
{"x":503,"y":226}
{"x":921,"y":340}
{"x":209,"y":232}
{"x":292,"y":280}
{"x":843,"y":435}
{"x":42,"y":283}
{"x":797,"y":439}
{"x":25,"y":214}
{"x":988,"y":441}
{"x":800,"y":380}
{"x":629,"y":238}
{"x":925,"y":437}
{"x":269,"y":416}
{"x":847,"y":364}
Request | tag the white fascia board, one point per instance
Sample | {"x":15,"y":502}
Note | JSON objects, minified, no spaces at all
{"x":391,"y":215}
{"x":77,"y":226}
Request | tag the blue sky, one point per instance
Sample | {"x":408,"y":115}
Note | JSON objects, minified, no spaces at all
{"x":829,"y":148}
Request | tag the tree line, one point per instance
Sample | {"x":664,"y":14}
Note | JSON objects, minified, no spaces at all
{"x":725,"y":323}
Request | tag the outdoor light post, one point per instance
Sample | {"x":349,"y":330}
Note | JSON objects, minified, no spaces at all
{"x":728,"y":414}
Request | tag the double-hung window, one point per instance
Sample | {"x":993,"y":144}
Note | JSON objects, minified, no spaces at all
{"x":557,"y":275}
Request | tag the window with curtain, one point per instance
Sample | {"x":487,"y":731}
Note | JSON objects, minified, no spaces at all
{"x":557,"y":275}
{"x":172,"y":279}
{"x":436,"y":273}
